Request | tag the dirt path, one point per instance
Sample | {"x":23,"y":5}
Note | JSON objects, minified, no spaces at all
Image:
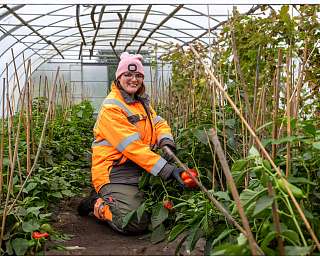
{"x":91,"y":237}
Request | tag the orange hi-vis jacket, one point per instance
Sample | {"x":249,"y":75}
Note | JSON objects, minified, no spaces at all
{"x":124,"y":138}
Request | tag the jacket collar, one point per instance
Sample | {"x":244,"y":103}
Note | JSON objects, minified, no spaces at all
{"x":145,"y":99}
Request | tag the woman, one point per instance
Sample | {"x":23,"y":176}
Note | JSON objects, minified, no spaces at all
{"x":126,"y":132}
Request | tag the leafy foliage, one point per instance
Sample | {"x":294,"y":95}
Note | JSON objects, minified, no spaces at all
{"x":61,"y":172}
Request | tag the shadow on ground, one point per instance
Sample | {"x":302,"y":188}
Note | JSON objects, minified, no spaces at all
{"x":91,"y":237}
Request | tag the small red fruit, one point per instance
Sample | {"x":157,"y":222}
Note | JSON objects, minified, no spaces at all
{"x":189,"y":183}
{"x":167,"y":204}
{"x":38,"y":235}
{"x":187,"y":180}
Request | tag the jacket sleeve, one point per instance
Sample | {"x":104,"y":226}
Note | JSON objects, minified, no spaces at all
{"x":124,"y":136}
{"x":163,"y":130}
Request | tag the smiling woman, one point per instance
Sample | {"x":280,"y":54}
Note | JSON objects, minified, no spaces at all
{"x":127,"y":132}
{"x":132,"y":80}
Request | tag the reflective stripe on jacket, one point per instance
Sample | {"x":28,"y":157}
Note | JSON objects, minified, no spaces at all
{"x":124,"y":138}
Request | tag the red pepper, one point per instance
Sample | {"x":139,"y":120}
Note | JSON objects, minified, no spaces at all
{"x":167,"y":204}
{"x":186,"y":177}
{"x":38,"y":235}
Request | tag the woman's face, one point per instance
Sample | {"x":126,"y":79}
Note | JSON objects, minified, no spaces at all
{"x":131,"y":81}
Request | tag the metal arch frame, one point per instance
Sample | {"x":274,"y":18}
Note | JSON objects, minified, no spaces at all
{"x":40,"y":16}
{"x":146,"y":14}
{"x":16,"y":8}
{"x":69,"y":17}
{"x":66,"y":29}
{"x":122,"y":21}
{"x":32,"y":29}
{"x":79,"y":25}
{"x":169,"y":16}
{"x":136,"y":38}
{"x":97,"y":29}
{"x":45,"y":59}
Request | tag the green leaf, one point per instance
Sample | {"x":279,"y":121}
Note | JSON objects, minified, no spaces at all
{"x":316,"y":145}
{"x":310,"y":128}
{"x":284,"y":140}
{"x":302,"y":180}
{"x":297,"y":250}
{"x":201,"y":135}
{"x":128,"y":218}
{"x":158,"y":234}
{"x":284,"y":10}
{"x":254,"y":152}
{"x":140,"y":211}
{"x":221,"y":195}
{"x":291,"y":236}
{"x":263,"y":203}
{"x":230,"y":123}
{"x":30,"y":225}
{"x":159,"y":214}
{"x":222,"y":236}
{"x":264,"y":126}
{"x":9,"y":249}
{"x":177,"y":230}
{"x":193,"y":237}
{"x":241,"y":239}
{"x":57,"y":194}
{"x":30,"y":187}
{"x":239,"y":165}
{"x":68,"y":193}
{"x":20,"y":246}
{"x":34,"y":210}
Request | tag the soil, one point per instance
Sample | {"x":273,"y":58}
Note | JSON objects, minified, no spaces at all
{"x":92,"y":237}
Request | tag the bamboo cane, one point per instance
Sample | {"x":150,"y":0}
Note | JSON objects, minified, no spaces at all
{"x":276,"y":104}
{"x":216,"y":203}
{"x":51,"y":99}
{"x":288,"y":108}
{"x":15,"y":71}
{"x":2,"y":138}
{"x":276,"y":220}
{"x":263,"y":150}
{"x":224,"y":164}
{"x":12,"y":165}
{"x":238,"y":69}
{"x":28,"y":110}
{"x":9,"y":124}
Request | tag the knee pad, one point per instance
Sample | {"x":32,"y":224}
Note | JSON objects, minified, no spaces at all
{"x":102,"y":210}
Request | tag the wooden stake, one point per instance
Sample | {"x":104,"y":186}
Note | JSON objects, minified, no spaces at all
{"x":216,"y":203}
{"x":288,"y":108}
{"x":263,"y":150}
{"x":224,"y":164}
{"x":276,"y":104}
{"x":276,"y":220}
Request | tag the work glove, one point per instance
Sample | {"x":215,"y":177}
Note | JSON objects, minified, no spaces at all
{"x":170,"y":171}
{"x":176,"y":174}
{"x":169,"y":143}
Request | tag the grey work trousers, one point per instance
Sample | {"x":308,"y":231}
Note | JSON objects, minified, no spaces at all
{"x":123,"y":199}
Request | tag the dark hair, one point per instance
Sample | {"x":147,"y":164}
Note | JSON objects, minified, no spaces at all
{"x":140,"y":91}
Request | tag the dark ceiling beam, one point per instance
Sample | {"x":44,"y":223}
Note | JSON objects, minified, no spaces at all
{"x":252,"y":10}
{"x":32,"y":29}
{"x":92,"y":16}
{"x":160,"y":24}
{"x":80,"y":51}
{"x":98,"y":27}
{"x":122,"y":21}
{"x":140,"y":27}
{"x":79,"y":25}
{"x":16,"y":8}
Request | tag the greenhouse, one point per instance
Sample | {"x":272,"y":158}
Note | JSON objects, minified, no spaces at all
{"x":159,"y":128}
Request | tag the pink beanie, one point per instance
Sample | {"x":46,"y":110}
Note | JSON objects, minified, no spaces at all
{"x":129,"y":63}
